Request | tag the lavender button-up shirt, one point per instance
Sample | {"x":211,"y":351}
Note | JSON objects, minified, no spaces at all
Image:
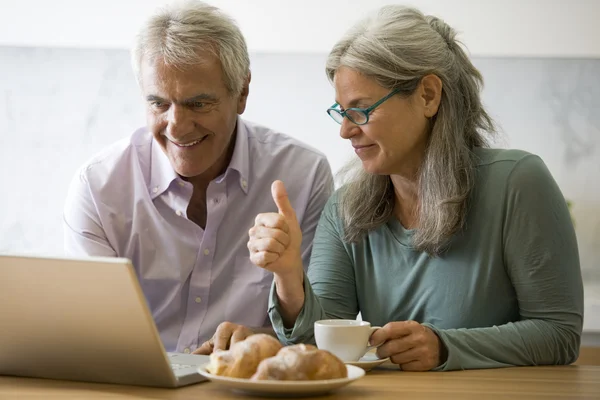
{"x":129,"y":202}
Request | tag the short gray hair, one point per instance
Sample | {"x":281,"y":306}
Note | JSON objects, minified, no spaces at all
{"x":179,"y":33}
{"x":398,"y":47}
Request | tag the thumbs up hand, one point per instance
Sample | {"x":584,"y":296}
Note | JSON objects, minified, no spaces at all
{"x":276,"y":238}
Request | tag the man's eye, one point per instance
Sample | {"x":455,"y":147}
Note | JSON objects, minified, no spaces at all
{"x":199,"y":104}
{"x":157,"y":104}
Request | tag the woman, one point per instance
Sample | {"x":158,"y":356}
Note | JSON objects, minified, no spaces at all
{"x":465,"y":255}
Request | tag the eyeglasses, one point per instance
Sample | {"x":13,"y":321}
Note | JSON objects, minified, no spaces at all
{"x":359,"y":116}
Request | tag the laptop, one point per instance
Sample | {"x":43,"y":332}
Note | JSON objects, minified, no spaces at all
{"x":83,"y":320}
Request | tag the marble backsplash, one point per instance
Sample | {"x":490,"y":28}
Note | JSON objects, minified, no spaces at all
{"x":60,"y":106}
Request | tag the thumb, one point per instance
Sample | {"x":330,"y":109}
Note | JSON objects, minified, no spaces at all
{"x":281,"y":199}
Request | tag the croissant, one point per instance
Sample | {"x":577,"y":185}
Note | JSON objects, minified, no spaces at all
{"x":242,"y":359}
{"x":301,"y":362}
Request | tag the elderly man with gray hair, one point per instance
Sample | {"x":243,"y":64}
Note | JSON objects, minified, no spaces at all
{"x":179,"y":195}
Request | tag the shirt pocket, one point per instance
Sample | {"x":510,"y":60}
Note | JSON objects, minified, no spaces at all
{"x":249,"y":294}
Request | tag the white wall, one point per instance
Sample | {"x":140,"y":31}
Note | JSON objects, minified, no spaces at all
{"x":546,"y":28}
{"x":61,"y":106}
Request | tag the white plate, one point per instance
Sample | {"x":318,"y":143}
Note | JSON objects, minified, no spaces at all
{"x":283,"y":388}
{"x":368,"y":361}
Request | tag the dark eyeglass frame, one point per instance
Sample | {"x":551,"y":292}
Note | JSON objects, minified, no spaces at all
{"x":333,"y":111}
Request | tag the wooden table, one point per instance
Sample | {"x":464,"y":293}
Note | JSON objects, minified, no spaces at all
{"x":570,"y":382}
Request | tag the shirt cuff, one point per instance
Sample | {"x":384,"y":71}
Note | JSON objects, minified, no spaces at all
{"x":303,"y":329}
{"x":450,"y":359}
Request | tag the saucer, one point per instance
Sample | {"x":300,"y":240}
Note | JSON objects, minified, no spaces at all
{"x":283,"y":388}
{"x":368,"y":361}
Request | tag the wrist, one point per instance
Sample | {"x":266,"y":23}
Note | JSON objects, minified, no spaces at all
{"x":443,"y":351}
{"x":290,"y":279}
{"x":290,"y":295}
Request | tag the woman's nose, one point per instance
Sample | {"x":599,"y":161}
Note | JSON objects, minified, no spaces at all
{"x":348,"y":129}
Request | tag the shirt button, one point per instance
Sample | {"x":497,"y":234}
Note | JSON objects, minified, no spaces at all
{"x":198,"y":300}
{"x":206,"y":252}
{"x":186,"y":350}
{"x":155,"y":190}
{"x":178,"y":213}
{"x":244,"y":184}
{"x":216,"y":200}
{"x":181,"y":183}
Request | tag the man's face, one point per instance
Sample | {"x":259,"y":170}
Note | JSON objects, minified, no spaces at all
{"x":191,"y":114}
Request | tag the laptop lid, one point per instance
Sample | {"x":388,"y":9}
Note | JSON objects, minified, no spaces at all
{"x":78,"y":319}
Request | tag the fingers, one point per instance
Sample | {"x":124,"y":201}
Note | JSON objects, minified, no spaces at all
{"x":415,"y":366}
{"x":399,"y":329}
{"x":394,"y":330}
{"x":281,"y":199}
{"x":206,"y":349}
{"x":415,"y":346}
{"x":407,"y":357}
{"x":240,"y":334}
{"x":223,"y":335}
{"x":379,"y":336}
{"x":226,"y":335}
{"x":263,"y":258}
{"x":272,"y":220}
{"x":399,"y":336}
{"x":394,"y":346}
{"x":267,"y":244}
{"x":262,"y":232}
{"x":268,"y":239}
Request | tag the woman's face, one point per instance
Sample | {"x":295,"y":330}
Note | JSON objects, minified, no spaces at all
{"x":394,"y":140}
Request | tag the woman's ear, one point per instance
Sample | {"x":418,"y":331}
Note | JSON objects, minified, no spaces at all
{"x":431,"y":94}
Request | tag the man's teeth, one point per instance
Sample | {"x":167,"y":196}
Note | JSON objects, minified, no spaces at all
{"x":190,"y":144}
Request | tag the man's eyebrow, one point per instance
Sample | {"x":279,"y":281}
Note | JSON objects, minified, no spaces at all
{"x":200,"y":97}
{"x":152,"y":97}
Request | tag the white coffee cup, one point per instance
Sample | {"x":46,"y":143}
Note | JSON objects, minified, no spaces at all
{"x":347,"y":339}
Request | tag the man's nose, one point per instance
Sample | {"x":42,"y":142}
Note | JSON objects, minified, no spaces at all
{"x":179,"y":122}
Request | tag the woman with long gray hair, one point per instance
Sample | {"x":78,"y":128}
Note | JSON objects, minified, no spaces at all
{"x":465,"y":255}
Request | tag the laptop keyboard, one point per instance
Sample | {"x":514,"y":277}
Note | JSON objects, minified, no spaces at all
{"x":176,"y":367}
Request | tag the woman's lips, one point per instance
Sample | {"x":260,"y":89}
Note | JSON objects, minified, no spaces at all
{"x":360,"y":150}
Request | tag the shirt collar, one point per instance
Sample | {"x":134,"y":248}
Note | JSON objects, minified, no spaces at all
{"x":240,"y":160}
{"x":162,"y":173}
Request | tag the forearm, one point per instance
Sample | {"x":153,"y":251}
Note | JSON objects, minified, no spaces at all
{"x":290,"y":296}
{"x":302,"y":329}
{"x":527,"y":342}
{"x":294,"y":307}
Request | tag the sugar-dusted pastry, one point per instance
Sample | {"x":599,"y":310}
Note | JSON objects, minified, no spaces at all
{"x":301,"y":362}
{"x":242,"y":359}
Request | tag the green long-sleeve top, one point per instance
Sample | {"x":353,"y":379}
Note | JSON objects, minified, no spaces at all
{"x":508,"y":290}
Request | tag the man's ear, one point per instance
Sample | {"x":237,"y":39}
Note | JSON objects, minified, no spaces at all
{"x":244,"y":95}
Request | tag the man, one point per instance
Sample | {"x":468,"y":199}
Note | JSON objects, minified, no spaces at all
{"x":178,"y":197}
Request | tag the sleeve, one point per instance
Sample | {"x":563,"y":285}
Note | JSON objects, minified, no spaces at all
{"x":542,"y":261}
{"x":322,"y":189}
{"x":83,"y":231}
{"x":329,"y":284}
